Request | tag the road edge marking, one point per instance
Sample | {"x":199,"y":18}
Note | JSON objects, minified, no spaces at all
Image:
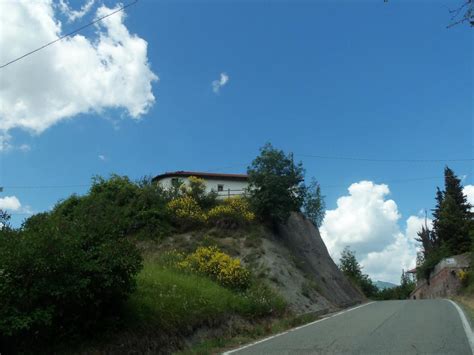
{"x":465,"y":324}
{"x":294,"y":329}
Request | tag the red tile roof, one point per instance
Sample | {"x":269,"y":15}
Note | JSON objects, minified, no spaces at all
{"x":204,"y":175}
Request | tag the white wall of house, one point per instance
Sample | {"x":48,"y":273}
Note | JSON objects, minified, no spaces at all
{"x":229,"y":187}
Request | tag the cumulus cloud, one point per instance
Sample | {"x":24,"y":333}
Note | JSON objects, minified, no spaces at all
{"x":469,"y":192}
{"x":369,"y":223}
{"x":73,"y":15}
{"x":217,"y":84}
{"x":76,"y":75}
{"x":10,"y":203}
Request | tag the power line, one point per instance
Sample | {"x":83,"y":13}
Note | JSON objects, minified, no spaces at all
{"x":68,"y":34}
{"x":14,"y":187}
{"x":398,"y":181}
{"x":385,"y":160}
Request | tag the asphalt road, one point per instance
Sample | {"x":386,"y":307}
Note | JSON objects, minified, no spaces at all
{"x":387,"y":327}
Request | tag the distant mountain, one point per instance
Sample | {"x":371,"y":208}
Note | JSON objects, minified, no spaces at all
{"x":382,"y":285}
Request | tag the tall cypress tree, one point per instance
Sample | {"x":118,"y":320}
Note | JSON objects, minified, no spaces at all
{"x":424,"y":237}
{"x":454,"y":188}
{"x":436,"y":213}
{"x":452,"y":216}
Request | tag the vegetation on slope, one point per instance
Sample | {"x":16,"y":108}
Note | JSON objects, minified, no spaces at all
{"x":76,"y":273}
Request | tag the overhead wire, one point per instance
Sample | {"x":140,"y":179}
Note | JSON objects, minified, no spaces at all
{"x":68,"y":34}
{"x":384,"y":160}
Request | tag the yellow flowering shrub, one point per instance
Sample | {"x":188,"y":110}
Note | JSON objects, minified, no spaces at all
{"x":186,"y":212}
{"x":463,"y":277}
{"x":233,"y":212}
{"x":219,"y":266}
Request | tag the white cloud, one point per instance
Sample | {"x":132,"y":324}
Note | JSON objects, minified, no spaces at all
{"x":25,"y":148}
{"x":217,"y":84}
{"x":101,"y":157}
{"x":369,"y":223}
{"x":73,"y":15}
{"x":73,"y":76}
{"x":10,"y":203}
{"x":469,"y":192}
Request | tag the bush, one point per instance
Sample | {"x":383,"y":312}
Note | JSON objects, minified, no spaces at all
{"x":60,"y":278}
{"x":217,"y":265}
{"x":119,"y":206}
{"x":232,"y":213}
{"x":464,"y":277}
{"x":193,"y":187}
{"x":185,"y":212}
{"x":261,"y":300}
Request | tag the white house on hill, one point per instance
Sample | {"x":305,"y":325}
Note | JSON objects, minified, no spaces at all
{"x":225,"y":185}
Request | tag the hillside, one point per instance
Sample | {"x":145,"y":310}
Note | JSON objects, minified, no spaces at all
{"x":130,"y":267}
{"x":382,"y":285}
{"x":293,"y":260}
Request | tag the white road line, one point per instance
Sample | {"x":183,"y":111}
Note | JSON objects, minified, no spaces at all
{"x":467,"y":327}
{"x":294,"y":329}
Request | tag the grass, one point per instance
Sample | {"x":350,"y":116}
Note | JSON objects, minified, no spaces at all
{"x":169,"y":305}
{"x":466,"y":301}
{"x":174,"y":302}
{"x":248,"y":334}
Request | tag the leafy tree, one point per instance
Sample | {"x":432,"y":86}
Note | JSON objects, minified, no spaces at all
{"x":314,"y":205}
{"x":61,"y":275}
{"x":353,"y":270}
{"x":349,"y":264}
{"x":4,"y":219}
{"x":276,"y":184}
{"x":407,"y":285}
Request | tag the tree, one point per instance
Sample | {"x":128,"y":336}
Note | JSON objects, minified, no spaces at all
{"x":276,"y":184}
{"x":463,"y":13}
{"x":353,"y":270}
{"x":452,"y":216}
{"x":424,"y":237}
{"x":452,"y":222}
{"x":314,"y":205}
{"x":349,"y":264}
{"x":4,"y":219}
{"x":407,"y":285}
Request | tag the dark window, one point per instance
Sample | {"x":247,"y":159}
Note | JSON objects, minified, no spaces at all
{"x":220,"y":188}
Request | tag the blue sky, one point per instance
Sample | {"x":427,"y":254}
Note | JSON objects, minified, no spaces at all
{"x":363,"y":79}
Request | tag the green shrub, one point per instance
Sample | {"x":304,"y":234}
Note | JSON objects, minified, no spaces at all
{"x":119,"y":206}
{"x":60,"y":278}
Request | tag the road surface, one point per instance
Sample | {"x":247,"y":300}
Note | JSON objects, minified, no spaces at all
{"x":387,"y":327}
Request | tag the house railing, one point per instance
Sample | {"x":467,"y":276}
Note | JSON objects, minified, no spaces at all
{"x":231,"y":192}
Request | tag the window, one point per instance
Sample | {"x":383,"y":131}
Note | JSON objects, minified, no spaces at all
{"x":220,"y":188}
